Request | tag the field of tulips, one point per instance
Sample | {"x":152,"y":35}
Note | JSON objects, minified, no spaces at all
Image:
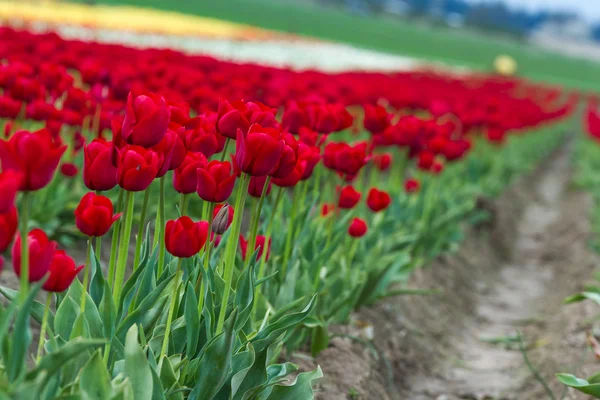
{"x":179,"y":225}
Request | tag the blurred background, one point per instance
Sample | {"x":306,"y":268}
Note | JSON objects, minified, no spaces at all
{"x":557,"y":41}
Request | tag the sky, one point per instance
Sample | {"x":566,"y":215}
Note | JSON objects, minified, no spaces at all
{"x":589,"y":9}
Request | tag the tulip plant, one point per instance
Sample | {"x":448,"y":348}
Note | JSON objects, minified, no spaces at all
{"x":220,"y":234}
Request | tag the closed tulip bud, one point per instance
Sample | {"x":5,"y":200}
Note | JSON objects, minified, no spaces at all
{"x":184,"y":238}
{"x":99,"y":173}
{"x":136,"y":168}
{"x":146,"y":120}
{"x":10,"y":181}
{"x":349,"y":197}
{"x":378,"y":200}
{"x":412,"y":185}
{"x":258,"y":153}
{"x":94,"y":215}
{"x":185,"y":178}
{"x":260,"y":245}
{"x":382,"y":161}
{"x":215,"y":182}
{"x":8,"y":228}
{"x":36,"y":155}
{"x":41,"y":251}
{"x":357,"y":228}
{"x":222,"y":218}
{"x":62,"y":272}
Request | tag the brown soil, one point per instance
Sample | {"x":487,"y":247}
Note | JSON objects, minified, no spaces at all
{"x":509,"y":276}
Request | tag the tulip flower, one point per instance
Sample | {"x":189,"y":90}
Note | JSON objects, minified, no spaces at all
{"x":8,"y":228}
{"x":9,"y":107}
{"x":240,"y":116}
{"x":136,"y":168}
{"x":382,"y":161}
{"x":293,"y":177}
{"x":326,"y":209}
{"x":164,"y":150}
{"x":378,"y":200}
{"x":179,"y":149}
{"x":425,"y":160}
{"x":412,"y":185}
{"x":257,"y":184}
{"x":344,"y":158}
{"x":310,"y":155}
{"x":376,"y":119}
{"x":10,"y":181}
{"x":222,"y":218}
{"x":94,"y":215}
{"x":201,"y":136}
{"x":41,"y":251}
{"x":69,"y":170}
{"x":62,"y":272}
{"x":349,"y":197}
{"x":437,"y":168}
{"x":258,"y":152}
{"x":185,"y":178}
{"x":289,"y":157}
{"x":357,"y":228}
{"x":36,"y":155}
{"x":294,"y":117}
{"x":146,"y":120}
{"x":259,"y":244}
{"x":215,"y":182}
{"x":184,"y":238}
{"x":99,"y":173}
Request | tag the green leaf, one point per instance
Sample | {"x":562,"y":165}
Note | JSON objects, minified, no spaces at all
{"x":593,"y":389}
{"x":320,"y":339}
{"x":244,"y":295}
{"x":215,"y":362}
{"x":108,"y":312}
{"x":37,"y":310}
{"x":595,"y":297}
{"x":192,"y":320}
{"x":241,"y":364}
{"x":169,"y":379}
{"x":80,"y":328}
{"x":94,"y":381}
{"x":97,"y":284}
{"x":92,"y":316}
{"x":21,"y":331}
{"x":136,"y":367}
{"x":300,"y":389}
{"x":65,"y":317}
{"x":286,"y":321}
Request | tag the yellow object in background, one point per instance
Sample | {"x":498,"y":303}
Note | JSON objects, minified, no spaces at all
{"x":505,"y":65}
{"x":125,"y":18}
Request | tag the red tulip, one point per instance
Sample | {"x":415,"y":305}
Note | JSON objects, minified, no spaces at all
{"x":35,"y":154}
{"x":9,"y":107}
{"x":99,"y":173}
{"x":146,"y":120}
{"x":94,"y":215}
{"x":185,"y":177}
{"x":357,"y":228}
{"x":8,"y":228}
{"x":349,"y":197}
{"x":215,"y":182}
{"x":62,"y":272}
{"x":240,"y":116}
{"x":41,"y":251}
{"x":201,"y":136}
{"x":426,"y":160}
{"x":344,"y":158}
{"x":289,"y":157}
{"x":378,"y":200}
{"x":257,"y":183}
{"x":179,"y":149}
{"x":136,"y":168}
{"x":10,"y":181}
{"x":412,"y":185}
{"x":376,"y":119}
{"x":164,"y":150}
{"x":294,"y":117}
{"x":258,"y":152}
{"x":184,"y":238}
{"x":310,"y":155}
{"x":69,"y":170}
{"x":260,"y":244}
{"x":382,"y":161}
{"x":293,"y":177}
{"x":326,"y":209}
{"x":437,"y":167}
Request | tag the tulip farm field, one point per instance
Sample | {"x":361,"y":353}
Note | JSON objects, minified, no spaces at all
{"x":180,"y":224}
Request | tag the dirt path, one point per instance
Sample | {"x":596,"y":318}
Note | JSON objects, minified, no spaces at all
{"x":506,"y":278}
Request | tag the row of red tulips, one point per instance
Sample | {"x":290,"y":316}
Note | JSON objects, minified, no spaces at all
{"x":184,"y":278}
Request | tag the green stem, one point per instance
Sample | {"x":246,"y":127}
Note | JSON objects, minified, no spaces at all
{"x":224,"y":152}
{"x":318,"y":173}
{"x":207,"y":250}
{"x":140,"y":234}
{"x":40,"y":348}
{"x":98,"y":247}
{"x":255,"y":221}
{"x":231,"y":249}
{"x":290,"y":231}
{"x":123,"y":248}
{"x":174,"y":299}
{"x":115,"y":238}
{"x":86,"y":275}
{"x":24,"y":220}
{"x":183,"y":202}
{"x":161,"y":227}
